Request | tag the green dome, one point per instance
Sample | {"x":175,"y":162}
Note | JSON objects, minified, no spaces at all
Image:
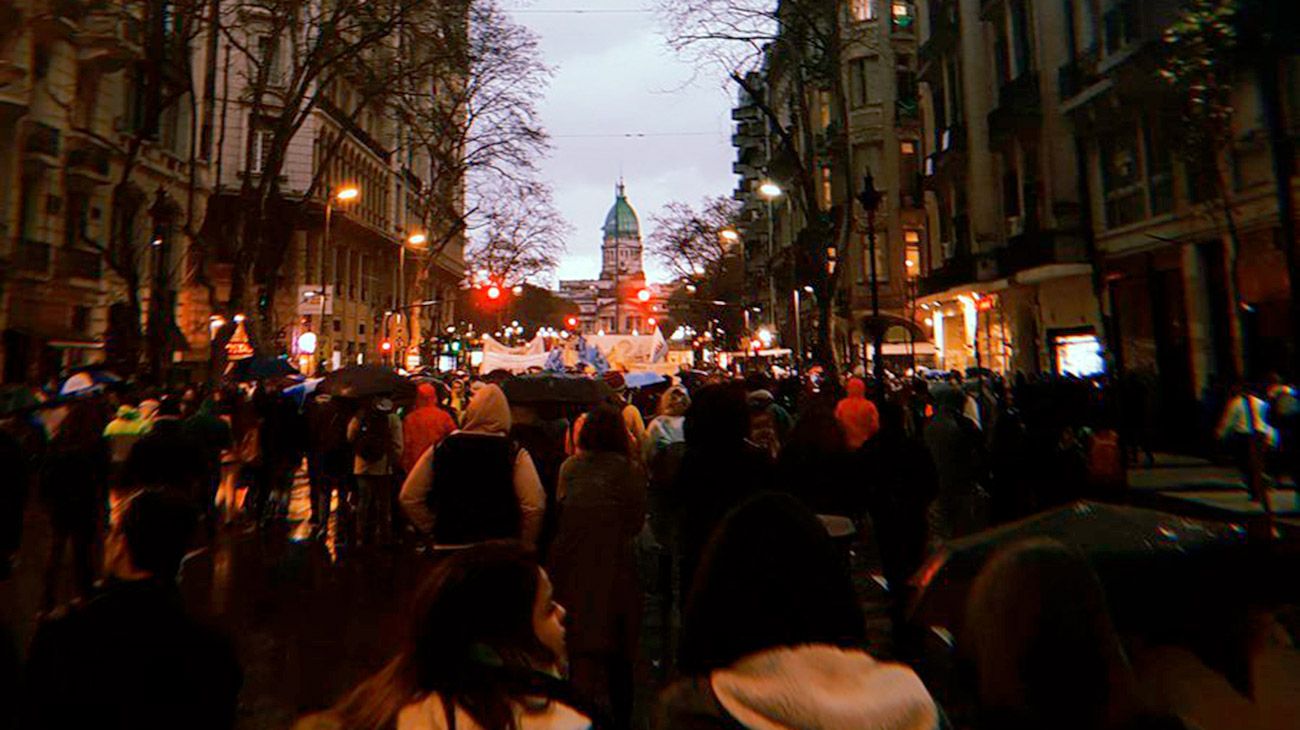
{"x":622,"y":221}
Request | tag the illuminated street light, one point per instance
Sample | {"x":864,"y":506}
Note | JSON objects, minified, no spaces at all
{"x":729,"y":235}
{"x":770,"y":190}
{"x":347,"y":194}
{"x":417,"y":239}
{"x":643,"y":295}
{"x":517,"y":290}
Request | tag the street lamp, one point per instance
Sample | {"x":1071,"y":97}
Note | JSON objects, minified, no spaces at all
{"x":729,"y":235}
{"x":770,"y":191}
{"x":870,"y":199}
{"x":344,"y":195}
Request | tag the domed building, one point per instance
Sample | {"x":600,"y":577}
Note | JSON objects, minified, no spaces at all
{"x":613,"y":303}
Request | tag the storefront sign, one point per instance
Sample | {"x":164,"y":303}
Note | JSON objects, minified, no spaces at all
{"x":239,"y":348}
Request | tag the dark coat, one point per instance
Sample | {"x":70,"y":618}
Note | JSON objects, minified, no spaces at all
{"x":901,"y":482}
{"x":167,"y":457}
{"x":712,"y":480}
{"x":131,"y":658}
{"x":592,"y":561}
{"x":72,"y":484}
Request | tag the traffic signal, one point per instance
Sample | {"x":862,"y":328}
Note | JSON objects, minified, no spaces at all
{"x":652,"y":322}
{"x":494,"y":292}
{"x":643,"y":295}
{"x":386,"y":346}
{"x":571,"y":322}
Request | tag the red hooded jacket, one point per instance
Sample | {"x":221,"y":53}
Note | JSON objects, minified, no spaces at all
{"x":423,"y":427}
{"x":857,"y":415}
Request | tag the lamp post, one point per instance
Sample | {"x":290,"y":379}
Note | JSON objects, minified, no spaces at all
{"x":346,"y":194}
{"x":870,"y":199}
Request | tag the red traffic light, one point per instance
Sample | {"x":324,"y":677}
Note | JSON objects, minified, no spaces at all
{"x":652,"y":322}
{"x":494,"y":292}
{"x":386,"y":346}
{"x":643,"y":295}
{"x":571,"y":322}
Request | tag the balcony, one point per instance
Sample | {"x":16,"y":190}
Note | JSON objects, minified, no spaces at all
{"x":32,"y":257}
{"x":956,"y":271}
{"x":943,"y":32}
{"x":902,"y":19}
{"x":1020,"y":106}
{"x":88,"y":159}
{"x":907,"y":112}
{"x":108,"y":39}
{"x":42,"y":140}
{"x":1041,"y":248}
{"x":1080,"y":74}
{"x":59,"y":21}
{"x":950,"y":146}
{"x":75,"y":263}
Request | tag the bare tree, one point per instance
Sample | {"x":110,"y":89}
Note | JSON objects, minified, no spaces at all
{"x":797,"y":46}
{"x":692,"y":243}
{"x":521,"y":238}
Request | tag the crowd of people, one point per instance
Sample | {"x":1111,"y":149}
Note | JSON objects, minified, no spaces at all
{"x":536,"y":520}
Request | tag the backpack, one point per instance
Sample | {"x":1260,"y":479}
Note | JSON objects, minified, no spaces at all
{"x":373,"y":439}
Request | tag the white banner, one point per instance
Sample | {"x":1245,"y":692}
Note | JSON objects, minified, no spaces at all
{"x":510,"y":361}
{"x":535,"y":346}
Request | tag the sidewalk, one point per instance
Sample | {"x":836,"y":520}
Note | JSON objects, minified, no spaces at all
{"x":1200,"y":488}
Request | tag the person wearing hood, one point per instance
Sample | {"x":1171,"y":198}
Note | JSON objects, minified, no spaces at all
{"x":478,"y":484}
{"x":857,"y":415}
{"x":127,"y":427}
{"x":957,"y":447}
{"x":424,"y":427}
{"x":773,"y":636}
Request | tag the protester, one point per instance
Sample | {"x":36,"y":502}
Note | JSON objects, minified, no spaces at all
{"x":167,"y":457}
{"x":485,"y":648}
{"x":763,"y":430}
{"x":602,"y":501}
{"x":122,"y":433}
{"x":206,"y":429}
{"x":857,"y":415}
{"x":73,"y":485}
{"x":773,"y":636}
{"x":957,"y":448}
{"x":1044,"y":650}
{"x":898,"y":476}
{"x":329,"y":463}
{"x":424,"y":426}
{"x":478,"y":484}
{"x":540,"y":430}
{"x":662,"y":453}
{"x":814,"y":466}
{"x":719,"y":469}
{"x":133,"y":658}
{"x":375,"y":433}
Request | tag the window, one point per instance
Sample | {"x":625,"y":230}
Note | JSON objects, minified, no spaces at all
{"x":826,"y":187}
{"x":901,"y":14}
{"x":74,"y":218}
{"x":863,"y":9}
{"x":858,"y":82}
{"x":260,"y":140}
{"x":912,"y":262}
{"x":882,"y":257}
{"x":1020,"y":41}
{"x":268,"y":59}
{"x":80,"y":319}
{"x":1121,"y":177}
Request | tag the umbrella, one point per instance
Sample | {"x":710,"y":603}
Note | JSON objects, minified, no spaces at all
{"x":250,"y":369}
{"x":552,"y":388}
{"x":17,"y":398}
{"x":300,"y":391}
{"x":642,"y":378}
{"x":88,"y":381}
{"x":364,"y":381}
{"x":1151,"y":563}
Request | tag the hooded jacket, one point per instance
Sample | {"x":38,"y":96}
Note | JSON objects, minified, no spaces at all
{"x":424,"y":427}
{"x":812,"y":687}
{"x":123,"y":431}
{"x":488,"y":414}
{"x":857,"y":415}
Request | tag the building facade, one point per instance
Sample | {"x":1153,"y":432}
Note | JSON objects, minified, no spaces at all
{"x":102,"y":179}
{"x":871,"y":125}
{"x":619,"y":301}
{"x":1067,"y":226}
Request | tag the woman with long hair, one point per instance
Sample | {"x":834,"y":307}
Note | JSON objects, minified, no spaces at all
{"x":485,"y":651}
{"x":773,"y":635}
{"x":602,"y":503}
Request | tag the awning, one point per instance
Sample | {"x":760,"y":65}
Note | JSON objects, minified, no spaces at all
{"x":977,"y":287}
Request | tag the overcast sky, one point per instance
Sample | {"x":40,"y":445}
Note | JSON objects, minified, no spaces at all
{"x":614,"y":76}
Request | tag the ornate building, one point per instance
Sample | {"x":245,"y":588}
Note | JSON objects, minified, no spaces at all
{"x":615,"y":302}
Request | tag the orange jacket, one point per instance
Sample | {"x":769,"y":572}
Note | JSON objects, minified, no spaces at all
{"x":857,"y":415}
{"x":425,"y":426}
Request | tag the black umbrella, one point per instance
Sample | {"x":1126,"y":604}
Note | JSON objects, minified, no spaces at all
{"x":365,"y":381}
{"x":259,"y":367}
{"x":1151,"y":563}
{"x":558,"y":389}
